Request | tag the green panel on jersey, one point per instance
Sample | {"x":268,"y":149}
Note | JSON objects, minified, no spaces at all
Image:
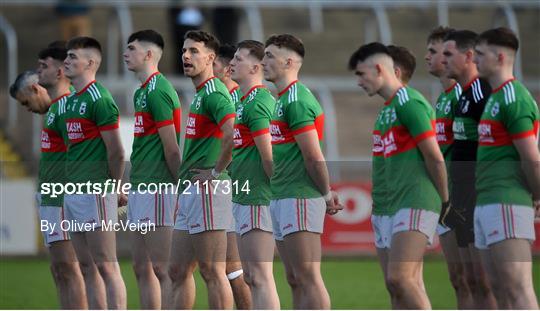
{"x":253,"y":115}
{"x":379,"y":190}
{"x":156,"y":105}
{"x":297,"y":111}
{"x":510,"y":113}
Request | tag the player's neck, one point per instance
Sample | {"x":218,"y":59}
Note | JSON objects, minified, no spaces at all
{"x":203,"y":76}
{"x":60,"y":89}
{"x":80,"y":82}
{"x":249,"y":82}
{"x":388,"y":90}
{"x":447,"y":83}
{"x":499,"y":77}
{"x":229,"y":83}
{"x":285,"y":81}
{"x":467,"y":76}
{"x":144,"y":74}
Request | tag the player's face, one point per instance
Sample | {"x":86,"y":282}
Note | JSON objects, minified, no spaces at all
{"x":75,"y":63}
{"x":134,"y":56}
{"x":368,"y":78}
{"x":220,"y":68}
{"x":454,"y":60}
{"x":34,"y":98}
{"x":273,"y":63}
{"x":242,"y":64}
{"x":49,"y":71}
{"x":434,"y":58}
{"x":196,"y":58}
{"x":485,"y":60}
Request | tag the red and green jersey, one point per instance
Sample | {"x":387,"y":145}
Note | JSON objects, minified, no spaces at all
{"x":444,"y":114}
{"x":407,"y":119}
{"x":156,"y":105}
{"x":210,"y":108}
{"x":53,"y":149}
{"x":253,"y":115}
{"x":510,"y":113}
{"x":236,"y":95}
{"x":378,"y":182}
{"x":297,"y":111}
{"x":89,"y":112}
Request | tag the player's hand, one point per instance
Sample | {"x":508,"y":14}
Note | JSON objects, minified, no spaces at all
{"x":536,"y":206}
{"x":122,"y":199}
{"x":450,"y":216}
{"x":333,"y":206}
{"x":201,"y":175}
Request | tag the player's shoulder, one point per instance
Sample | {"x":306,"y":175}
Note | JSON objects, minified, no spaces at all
{"x":408,"y":96}
{"x":480,"y":90}
{"x":99,"y":93}
{"x":159,"y":83}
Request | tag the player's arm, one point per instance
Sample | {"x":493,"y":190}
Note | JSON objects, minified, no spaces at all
{"x":167,"y":134}
{"x":530,"y":164}
{"x":225,"y":154}
{"x":434,"y":162}
{"x":263,"y":142}
{"x":315,"y":164}
{"x":115,"y":158}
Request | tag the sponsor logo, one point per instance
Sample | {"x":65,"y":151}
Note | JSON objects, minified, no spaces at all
{"x":485,"y":133}
{"x":146,"y":219}
{"x":45,"y":140}
{"x":195,"y":226}
{"x":75,"y":130}
{"x":237,"y":137}
{"x":139,"y":124}
{"x":50,"y":118}
{"x":190,"y":128}
{"x":399,"y":224}
{"x":91,"y":221}
{"x":287,"y":227}
{"x":244,"y":226}
{"x":494,"y":233}
{"x":53,"y":234}
{"x":378,"y":145}
{"x":389,"y":143}
{"x":276,"y":133}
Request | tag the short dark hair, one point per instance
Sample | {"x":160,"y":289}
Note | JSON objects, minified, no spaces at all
{"x":84,"y":43}
{"x":404,"y":59}
{"x":439,"y":33}
{"x":147,"y":35}
{"x":287,"y":41}
{"x":501,"y":36}
{"x":209,"y":40}
{"x":21,"y":81}
{"x":255,"y":48}
{"x":57,"y":43}
{"x":465,"y":39}
{"x":226,"y":52}
{"x":365,"y":51}
{"x":56,"y":52}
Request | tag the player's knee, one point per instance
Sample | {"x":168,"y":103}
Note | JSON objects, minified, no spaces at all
{"x":179,"y":273}
{"x":87,"y":268}
{"x":141,"y":269}
{"x":160,"y":270}
{"x":65,"y":271}
{"x":458,"y":281}
{"x":397,"y":284}
{"x":292,"y":280}
{"x":106,"y":269}
{"x":233,"y":266}
{"x":210,"y":271}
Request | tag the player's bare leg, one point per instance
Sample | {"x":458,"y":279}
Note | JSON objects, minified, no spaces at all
{"x":146,"y":279}
{"x":382,"y":255}
{"x":102,"y":246}
{"x":257,"y":252}
{"x":289,"y":272}
{"x":67,"y":275}
{"x":512,"y":260}
{"x":158,"y":245}
{"x":94,"y":284}
{"x":476,"y":280}
{"x":304,"y":251}
{"x":493,"y":278}
{"x":405,"y":257}
{"x":456,"y":271}
{"x":181,"y":267}
{"x":241,"y":292}
{"x":210,"y":252}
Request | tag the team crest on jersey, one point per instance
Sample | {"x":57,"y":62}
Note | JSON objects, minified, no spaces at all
{"x":239,"y":112}
{"x":82,"y":108}
{"x":495,"y":109}
{"x":50,"y":119}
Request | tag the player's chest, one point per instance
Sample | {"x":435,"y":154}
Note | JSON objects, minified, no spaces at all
{"x":443,"y":107}
{"x":79,"y":108}
{"x":141,"y":104}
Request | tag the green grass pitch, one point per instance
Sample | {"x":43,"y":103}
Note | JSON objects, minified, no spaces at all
{"x":352,"y":284}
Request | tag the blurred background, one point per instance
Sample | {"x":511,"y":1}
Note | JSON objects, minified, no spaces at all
{"x":330,"y":30}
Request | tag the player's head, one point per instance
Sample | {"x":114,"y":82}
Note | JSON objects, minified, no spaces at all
{"x":247,"y":60}
{"x":373,"y":65}
{"x":283,"y":54}
{"x":459,"y":52}
{"x":27,"y":91}
{"x":83,"y":57}
{"x":199,"y":52}
{"x":495,"y":50}
{"x":404,"y":62}
{"x":144,"y":48}
{"x":51,"y":64}
{"x":221,"y":65}
{"x":435,"y":47}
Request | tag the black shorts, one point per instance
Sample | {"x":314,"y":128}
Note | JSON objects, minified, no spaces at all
{"x":463,"y":198}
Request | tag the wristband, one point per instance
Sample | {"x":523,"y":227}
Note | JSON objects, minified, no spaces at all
{"x":328,"y":196}
{"x":215,"y":173}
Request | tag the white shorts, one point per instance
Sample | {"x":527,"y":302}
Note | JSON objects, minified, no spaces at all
{"x":382,"y":230}
{"x":152,"y":209}
{"x":86,"y":212}
{"x":232,"y":225}
{"x":497,"y":222}
{"x":408,"y":219}
{"x":249,"y":217}
{"x":441,"y":230}
{"x":293,"y":215}
{"x":50,"y":222}
{"x":201,"y":210}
